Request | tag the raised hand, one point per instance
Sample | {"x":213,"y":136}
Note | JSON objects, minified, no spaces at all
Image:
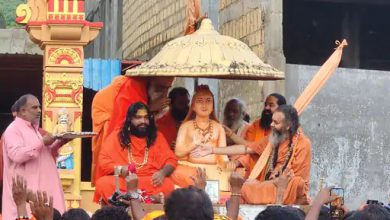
{"x":200,"y":178}
{"x":19,"y":190}
{"x":42,"y":206}
{"x":132,"y":182}
{"x":324,"y":197}
{"x":159,"y":104}
{"x":236,"y":181}
{"x":123,"y":171}
{"x":201,"y":150}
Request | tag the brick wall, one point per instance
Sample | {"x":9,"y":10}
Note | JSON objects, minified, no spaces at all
{"x":148,"y":25}
{"x":246,"y":20}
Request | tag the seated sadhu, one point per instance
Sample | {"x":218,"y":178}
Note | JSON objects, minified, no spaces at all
{"x":286,"y":150}
{"x":256,"y":131}
{"x":137,"y":142}
{"x":170,"y":122}
{"x":200,"y":127}
{"x":110,"y":105}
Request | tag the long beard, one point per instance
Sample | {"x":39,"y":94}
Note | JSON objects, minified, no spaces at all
{"x":233,"y":125}
{"x":277,"y":137}
{"x":179,"y":115}
{"x":138,"y":131}
{"x":266,"y":119}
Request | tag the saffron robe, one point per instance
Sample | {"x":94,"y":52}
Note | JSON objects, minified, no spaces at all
{"x":112,"y":154}
{"x":169,"y":127}
{"x":109,"y":108}
{"x":264,"y":192}
{"x":254,"y":133}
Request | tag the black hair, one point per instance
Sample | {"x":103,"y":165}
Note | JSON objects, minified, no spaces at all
{"x":124,"y":134}
{"x":266,"y":115}
{"x":76,"y":214}
{"x":324,"y":213}
{"x":281,"y":99}
{"x":375,"y":212}
{"x":111,"y":213}
{"x":189,"y":203}
{"x":280,"y":213}
{"x":177,"y":91}
{"x":21,"y":102}
{"x":56,"y":214}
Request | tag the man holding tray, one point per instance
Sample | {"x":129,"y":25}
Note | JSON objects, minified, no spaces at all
{"x":30,"y":154}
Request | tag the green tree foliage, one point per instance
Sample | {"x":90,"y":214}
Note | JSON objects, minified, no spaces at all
{"x":8,"y":12}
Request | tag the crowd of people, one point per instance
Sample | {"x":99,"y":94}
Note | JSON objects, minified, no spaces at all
{"x":190,"y":203}
{"x":145,"y":154}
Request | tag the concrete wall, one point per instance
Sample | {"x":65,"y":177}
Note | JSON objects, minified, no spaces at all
{"x":348,"y":125}
{"x":108,"y":44}
{"x":148,"y":25}
{"x":258,"y":23}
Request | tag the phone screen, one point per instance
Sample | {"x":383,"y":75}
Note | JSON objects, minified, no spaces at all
{"x":336,"y":212}
{"x":339,"y":192}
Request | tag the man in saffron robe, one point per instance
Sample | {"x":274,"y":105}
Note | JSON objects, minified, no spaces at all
{"x":170,"y":122}
{"x":137,"y":142}
{"x":257,"y":130}
{"x":110,"y":105}
{"x":261,"y":127}
{"x":291,"y":151}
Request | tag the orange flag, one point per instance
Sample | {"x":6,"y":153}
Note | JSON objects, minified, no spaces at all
{"x":318,"y":81}
{"x":192,"y":16}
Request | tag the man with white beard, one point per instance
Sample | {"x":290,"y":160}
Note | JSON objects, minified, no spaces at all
{"x":257,"y":130}
{"x":233,"y":118}
{"x":285,"y":177}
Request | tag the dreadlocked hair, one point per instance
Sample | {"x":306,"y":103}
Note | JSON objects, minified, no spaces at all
{"x":124,"y":134}
{"x":292,"y":120}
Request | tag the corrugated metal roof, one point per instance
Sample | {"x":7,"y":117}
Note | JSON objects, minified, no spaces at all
{"x":99,"y":73}
{"x":17,"y":41}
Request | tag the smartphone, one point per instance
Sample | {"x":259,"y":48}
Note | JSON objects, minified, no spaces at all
{"x":334,"y":208}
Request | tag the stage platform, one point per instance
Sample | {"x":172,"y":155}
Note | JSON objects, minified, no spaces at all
{"x":247,"y":212}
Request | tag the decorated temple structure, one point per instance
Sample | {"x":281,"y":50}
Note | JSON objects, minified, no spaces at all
{"x":59,"y":28}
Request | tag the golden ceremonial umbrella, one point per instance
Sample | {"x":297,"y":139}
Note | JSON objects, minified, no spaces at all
{"x":206,"y":53}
